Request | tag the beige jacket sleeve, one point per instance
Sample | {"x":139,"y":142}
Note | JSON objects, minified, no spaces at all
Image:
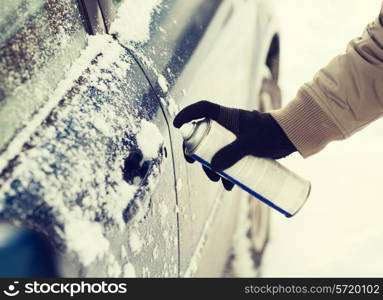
{"x":343,"y":97}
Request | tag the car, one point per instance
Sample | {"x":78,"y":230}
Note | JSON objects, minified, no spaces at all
{"x":91,"y":168}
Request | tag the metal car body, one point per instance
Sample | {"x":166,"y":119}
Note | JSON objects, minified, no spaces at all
{"x":88,"y":154}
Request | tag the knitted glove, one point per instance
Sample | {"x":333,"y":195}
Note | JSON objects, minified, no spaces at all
{"x":257,"y":134}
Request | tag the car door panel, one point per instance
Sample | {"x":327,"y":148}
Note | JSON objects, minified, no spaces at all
{"x":96,"y":175}
{"x":176,"y":29}
{"x":194,"y":52}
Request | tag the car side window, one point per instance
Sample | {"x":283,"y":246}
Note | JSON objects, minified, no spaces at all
{"x":39,"y":40}
{"x":169,"y":32}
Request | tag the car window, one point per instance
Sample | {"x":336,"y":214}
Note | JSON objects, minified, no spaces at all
{"x":38,"y":42}
{"x":163,"y":34}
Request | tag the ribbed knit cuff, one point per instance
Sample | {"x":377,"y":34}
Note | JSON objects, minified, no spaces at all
{"x":307,"y":126}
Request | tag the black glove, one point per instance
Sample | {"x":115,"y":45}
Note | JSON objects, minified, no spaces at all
{"x":257,"y":134}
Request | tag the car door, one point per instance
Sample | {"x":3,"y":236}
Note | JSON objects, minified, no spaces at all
{"x":85,"y":147}
{"x":194,"y":50}
{"x":220,"y":71}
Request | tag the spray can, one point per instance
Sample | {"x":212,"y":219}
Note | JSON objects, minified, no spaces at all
{"x":265,"y":179}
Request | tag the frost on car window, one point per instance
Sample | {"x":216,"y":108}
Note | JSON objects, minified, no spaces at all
{"x":13,"y":14}
{"x":39,"y":41}
{"x":133,"y":20}
{"x":70,"y":173}
{"x":163,"y":35}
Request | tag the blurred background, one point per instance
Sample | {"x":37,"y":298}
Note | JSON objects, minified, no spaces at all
{"x":340,"y":230}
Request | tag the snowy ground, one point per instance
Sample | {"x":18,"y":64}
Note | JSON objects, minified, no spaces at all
{"x":340,"y":230}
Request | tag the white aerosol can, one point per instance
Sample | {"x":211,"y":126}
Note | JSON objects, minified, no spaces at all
{"x":265,"y":179}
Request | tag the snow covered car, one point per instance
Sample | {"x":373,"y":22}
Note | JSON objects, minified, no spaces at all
{"x":89,"y":159}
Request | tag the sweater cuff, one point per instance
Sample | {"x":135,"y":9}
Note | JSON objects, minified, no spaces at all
{"x":307,"y":126}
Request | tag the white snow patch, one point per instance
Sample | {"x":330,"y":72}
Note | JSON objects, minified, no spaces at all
{"x":133,"y":20}
{"x":86,"y":239}
{"x":149,"y":139}
{"x":179,"y":185}
{"x":163,"y":102}
{"x":102,"y":125}
{"x":114,"y":269}
{"x":117,"y":205}
{"x":135,"y":242}
{"x":173,"y":107}
{"x":163,"y":83}
{"x":129,"y":271}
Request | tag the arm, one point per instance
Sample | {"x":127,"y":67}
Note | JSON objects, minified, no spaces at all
{"x":344,"y":96}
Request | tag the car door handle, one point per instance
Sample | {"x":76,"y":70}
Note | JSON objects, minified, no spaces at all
{"x":134,"y":167}
{"x":143,"y":174}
